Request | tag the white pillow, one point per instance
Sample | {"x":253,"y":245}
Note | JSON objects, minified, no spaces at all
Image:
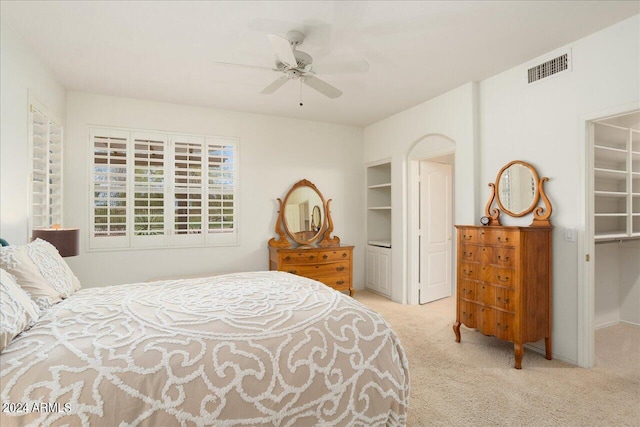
{"x":17,"y":311}
{"x":40,"y":270}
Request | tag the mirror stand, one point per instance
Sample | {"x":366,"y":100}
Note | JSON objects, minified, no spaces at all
{"x":541,"y":214}
{"x":319,"y":228}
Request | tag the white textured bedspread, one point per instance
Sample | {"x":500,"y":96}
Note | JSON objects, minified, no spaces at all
{"x":259,"y":348}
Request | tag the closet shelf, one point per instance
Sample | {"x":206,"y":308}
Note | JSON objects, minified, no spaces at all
{"x":385,"y":185}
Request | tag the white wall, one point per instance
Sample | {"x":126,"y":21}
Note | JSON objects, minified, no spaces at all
{"x":21,"y":74}
{"x":452,"y":115}
{"x":275,"y":153}
{"x":543,"y":123}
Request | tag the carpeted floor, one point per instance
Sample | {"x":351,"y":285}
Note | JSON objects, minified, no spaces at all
{"x":473,"y":383}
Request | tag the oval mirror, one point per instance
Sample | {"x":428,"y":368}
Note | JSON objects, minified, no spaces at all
{"x":304,"y":214}
{"x":517,"y":189}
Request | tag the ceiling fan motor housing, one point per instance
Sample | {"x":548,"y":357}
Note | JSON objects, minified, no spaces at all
{"x":303,"y":60}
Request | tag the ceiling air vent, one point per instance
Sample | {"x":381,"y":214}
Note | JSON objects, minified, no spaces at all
{"x":549,"y":68}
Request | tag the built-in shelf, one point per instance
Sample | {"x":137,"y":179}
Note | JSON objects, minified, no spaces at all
{"x":379,"y":215}
{"x":616,"y":176}
{"x":381,"y":243}
{"x":385,"y":185}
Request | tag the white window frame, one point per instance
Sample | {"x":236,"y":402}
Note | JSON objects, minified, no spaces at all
{"x":169,"y":238}
{"x":50,"y":197}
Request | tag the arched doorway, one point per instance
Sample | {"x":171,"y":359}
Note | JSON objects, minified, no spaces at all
{"x":430,"y":248}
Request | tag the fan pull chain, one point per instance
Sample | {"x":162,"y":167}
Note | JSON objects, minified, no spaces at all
{"x":300,"y":92}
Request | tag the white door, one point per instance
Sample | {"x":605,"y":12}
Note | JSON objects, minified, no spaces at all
{"x":435,"y":234}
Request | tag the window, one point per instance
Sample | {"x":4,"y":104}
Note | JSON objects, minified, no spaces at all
{"x":45,"y":136}
{"x":159,"y":189}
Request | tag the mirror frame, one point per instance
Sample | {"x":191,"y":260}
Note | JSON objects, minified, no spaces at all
{"x":541,"y":214}
{"x":321,"y":238}
{"x":315,"y":209}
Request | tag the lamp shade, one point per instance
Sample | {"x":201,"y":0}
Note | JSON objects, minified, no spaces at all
{"x":66,"y":240}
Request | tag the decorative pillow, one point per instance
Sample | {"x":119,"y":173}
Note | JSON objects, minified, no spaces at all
{"x":18,"y":312}
{"x":40,"y":270}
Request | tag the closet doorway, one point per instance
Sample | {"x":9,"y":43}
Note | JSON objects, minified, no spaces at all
{"x":613,"y":233}
{"x":430,"y":213}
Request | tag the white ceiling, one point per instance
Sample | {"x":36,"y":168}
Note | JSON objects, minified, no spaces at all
{"x":166,"y":51}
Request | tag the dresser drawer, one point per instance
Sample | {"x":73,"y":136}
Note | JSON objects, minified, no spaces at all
{"x":468,"y":270}
{"x":504,"y":325}
{"x":467,"y":290}
{"x":486,"y":294}
{"x":468,"y":313}
{"x":313,"y":257}
{"x":501,"y":256}
{"x":338,"y":282}
{"x":469,"y":235}
{"x":499,"y":237}
{"x":498,"y":276}
{"x":470,"y":253}
{"x":341,"y":267}
{"x":505,"y":299}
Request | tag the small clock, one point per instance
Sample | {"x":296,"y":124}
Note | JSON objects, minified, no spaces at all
{"x":484,"y":220}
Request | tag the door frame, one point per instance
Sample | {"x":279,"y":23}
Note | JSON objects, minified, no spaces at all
{"x":586,"y":270}
{"x":426,"y":148}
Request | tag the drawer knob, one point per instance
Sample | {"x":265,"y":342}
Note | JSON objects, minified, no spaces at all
{"x":501,"y":258}
{"x":312,"y":256}
{"x":292,"y":271}
{"x":340,"y":282}
{"x":341,"y":268}
{"x":467,"y":291}
{"x":287,"y":258}
{"x":501,"y":327}
{"x":344,"y":254}
{"x":505,"y":301}
{"x":325,"y":256}
{"x":468,"y":254}
{"x":469,"y":237}
{"x":467,"y":272}
{"x":465,"y":314}
{"x":501,"y":239}
{"x":505,"y":279}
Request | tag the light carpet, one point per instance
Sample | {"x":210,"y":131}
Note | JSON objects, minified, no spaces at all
{"x":474,"y":382}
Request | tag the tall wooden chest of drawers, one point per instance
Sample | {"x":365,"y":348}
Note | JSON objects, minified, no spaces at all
{"x":504,"y":284}
{"x":332,"y":266}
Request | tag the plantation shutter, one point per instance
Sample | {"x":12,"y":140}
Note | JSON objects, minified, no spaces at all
{"x":109,"y":189}
{"x":55,"y":173}
{"x":150,"y":189}
{"x":188,"y":190}
{"x":46,"y":169}
{"x":39,"y":170}
{"x":221,"y":190}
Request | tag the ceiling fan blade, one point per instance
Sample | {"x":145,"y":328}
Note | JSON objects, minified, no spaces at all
{"x":255,"y":67}
{"x":283,"y":50}
{"x":274,"y":86}
{"x":341,"y":67}
{"x":321,"y":86}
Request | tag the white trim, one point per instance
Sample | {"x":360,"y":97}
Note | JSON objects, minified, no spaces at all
{"x":586,"y":240}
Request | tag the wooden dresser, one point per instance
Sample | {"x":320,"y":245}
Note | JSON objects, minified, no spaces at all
{"x":332,"y":266}
{"x":504,"y":284}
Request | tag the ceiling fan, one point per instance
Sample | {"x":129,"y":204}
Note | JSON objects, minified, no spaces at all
{"x":295,"y":64}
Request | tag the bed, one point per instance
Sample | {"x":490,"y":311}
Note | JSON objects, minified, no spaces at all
{"x":255,"y":348}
